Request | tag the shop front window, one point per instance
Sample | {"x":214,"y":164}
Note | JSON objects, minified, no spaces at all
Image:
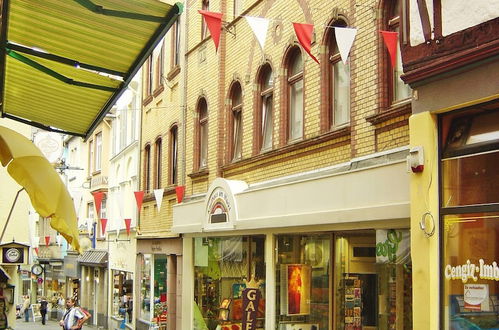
{"x":160,"y":308}
{"x":470,"y":218}
{"x":145,"y":287}
{"x":470,"y":271}
{"x":373,"y":280}
{"x":303,"y":277}
{"x":122,"y":295}
{"x":229,"y":286}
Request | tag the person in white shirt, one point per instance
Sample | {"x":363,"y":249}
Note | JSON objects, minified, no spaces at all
{"x":73,"y":318}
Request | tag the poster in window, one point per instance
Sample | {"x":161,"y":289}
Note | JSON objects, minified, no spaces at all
{"x":295,"y":289}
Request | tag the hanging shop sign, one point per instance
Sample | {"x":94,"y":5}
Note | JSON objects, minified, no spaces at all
{"x":472,"y":271}
{"x":393,"y":246}
{"x":14,"y":253}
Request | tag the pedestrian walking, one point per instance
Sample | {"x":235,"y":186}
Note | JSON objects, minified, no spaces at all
{"x":25,"y":308}
{"x":43,"y":309}
{"x":74,"y":317}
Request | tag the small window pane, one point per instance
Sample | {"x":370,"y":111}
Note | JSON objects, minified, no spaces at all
{"x":237,"y":135}
{"x":267,"y":121}
{"x":401,"y":90}
{"x":268,"y":79}
{"x":341,"y":93}
{"x":174,"y":155}
{"x":296,"y":64}
{"x":204,"y":145}
{"x":296,"y":111}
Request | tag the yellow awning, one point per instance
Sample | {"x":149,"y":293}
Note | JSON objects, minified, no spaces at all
{"x":64,"y":63}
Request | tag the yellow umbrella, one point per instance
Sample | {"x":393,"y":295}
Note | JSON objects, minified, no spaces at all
{"x":28,"y":166}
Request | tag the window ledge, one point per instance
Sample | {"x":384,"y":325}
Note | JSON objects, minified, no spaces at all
{"x":158,"y":90}
{"x":147,"y":100}
{"x":297,"y":145}
{"x":199,"y":174}
{"x":173,"y":72}
{"x":394,"y":111}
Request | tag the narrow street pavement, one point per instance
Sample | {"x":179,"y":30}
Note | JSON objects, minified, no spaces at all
{"x":51,"y":325}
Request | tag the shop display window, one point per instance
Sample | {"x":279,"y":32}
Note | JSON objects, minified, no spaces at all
{"x":122,"y":295}
{"x":160,"y":307}
{"x":153,"y":292}
{"x":470,"y":271}
{"x":373,"y":280}
{"x":469,"y":209}
{"x":303,"y":281}
{"x":229,"y":287}
{"x":145,"y":287}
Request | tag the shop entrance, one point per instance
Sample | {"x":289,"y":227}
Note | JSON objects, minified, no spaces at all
{"x":370,"y":291}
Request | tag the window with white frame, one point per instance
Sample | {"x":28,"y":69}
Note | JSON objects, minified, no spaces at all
{"x":295,"y":94}
{"x":98,"y":151}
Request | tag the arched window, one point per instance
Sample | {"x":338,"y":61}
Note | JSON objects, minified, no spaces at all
{"x":147,"y":168}
{"x":338,"y":83}
{"x":295,"y":94}
{"x":398,"y":89}
{"x":173,"y":155}
{"x":236,"y":105}
{"x":205,"y":5}
{"x":202,"y":133}
{"x":157,"y":163}
{"x":265,"y":113}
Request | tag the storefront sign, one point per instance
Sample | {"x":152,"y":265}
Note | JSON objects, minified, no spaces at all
{"x":219,"y":206}
{"x":393,"y":246}
{"x":472,"y":271}
{"x":251,"y":298}
{"x":476,"y":297}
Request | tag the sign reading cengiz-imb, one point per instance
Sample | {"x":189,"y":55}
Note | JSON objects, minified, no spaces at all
{"x":471,"y":271}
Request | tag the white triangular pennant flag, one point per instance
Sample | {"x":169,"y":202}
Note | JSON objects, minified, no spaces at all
{"x":259,"y":26}
{"x":158,"y":194}
{"x":344,"y":40}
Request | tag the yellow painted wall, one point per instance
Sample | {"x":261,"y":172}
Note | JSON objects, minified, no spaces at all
{"x":424,"y":199}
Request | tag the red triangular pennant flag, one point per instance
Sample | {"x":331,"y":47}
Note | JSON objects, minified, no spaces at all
{"x":180,"y":190}
{"x":304,"y":33}
{"x":139,"y":197}
{"x":103,"y":223}
{"x":127,"y":225}
{"x":390,"y":39}
{"x":36,"y":250}
{"x":98,"y":201}
{"x":214,"y":23}
{"x":47,"y":240}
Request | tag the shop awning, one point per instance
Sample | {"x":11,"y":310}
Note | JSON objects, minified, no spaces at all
{"x":94,"y":258}
{"x":64,"y":63}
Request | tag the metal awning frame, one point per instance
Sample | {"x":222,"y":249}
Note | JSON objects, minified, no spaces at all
{"x":6,"y":46}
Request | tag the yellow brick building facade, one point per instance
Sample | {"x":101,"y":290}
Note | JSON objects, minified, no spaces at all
{"x":315,"y":200}
{"x":158,"y":249}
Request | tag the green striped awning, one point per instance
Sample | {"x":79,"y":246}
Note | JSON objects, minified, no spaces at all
{"x":64,"y":63}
